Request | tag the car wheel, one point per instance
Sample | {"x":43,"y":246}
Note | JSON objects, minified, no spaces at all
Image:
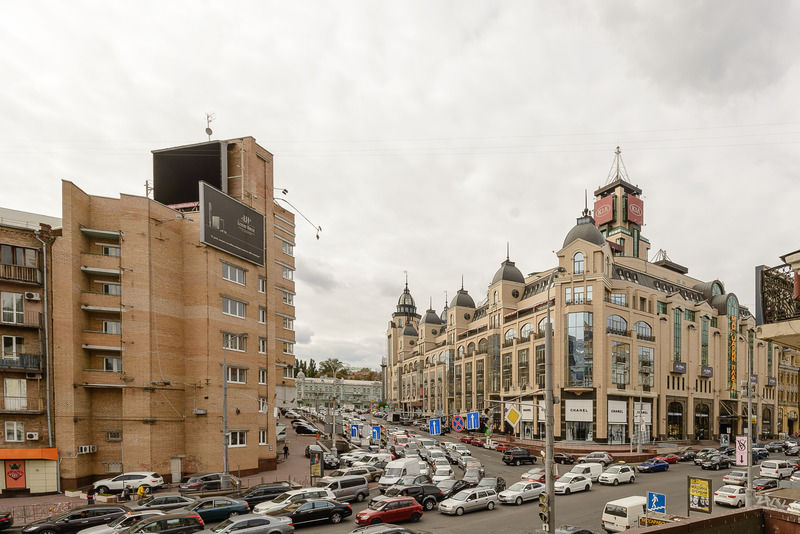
{"x":429,"y":504}
{"x":375,"y":521}
{"x":566,"y":491}
{"x":490,"y":506}
{"x":632,"y":480}
{"x":459,"y":511}
{"x":101,"y":489}
{"x":716,"y":467}
{"x":336,"y":518}
{"x":359,"y":497}
{"x":518,"y":501}
{"x":48,"y":532}
{"x":616,"y":482}
{"x":517,"y":463}
{"x":415,"y":517}
{"x":587,"y":488}
{"x":147,"y":489}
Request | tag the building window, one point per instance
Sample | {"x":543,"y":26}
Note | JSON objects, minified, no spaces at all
{"x":287,"y":273}
{"x":620,"y":363}
{"x":262,"y":315}
{"x":288,"y":372}
{"x":468,"y":380}
{"x":580,"y":349}
{"x":714,"y":322}
{"x":114,"y":435}
{"x":13,"y":346}
{"x":588,"y":293}
{"x":262,"y":284}
{"x":704,"y":341}
{"x":524,"y":332}
{"x":262,"y":405}
{"x":287,"y":297}
{"x":112,"y":327}
{"x":578,"y":295}
{"x":643,"y":331}
{"x":112,"y":364}
{"x":507,"y":372}
{"x":287,"y":248}
{"x":13,"y":307}
{"x":234,"y":341}
{"x":661,"y":308}
{"x":646,"y":358}
{"x":523,"y":368}
{"x":15,"y":394}
{"x":578,"y":263}
{"x":288,"y":348}
{"x":110,"y":288}
{"x":620,"y":299}
{"x":232,"y":273}
{"x":237,"y":438}
{"x":15,"y":431}
{"x":262,"y":436}
{"x":567,"y":295}
{"x":262,"y":345}
{"x":689,"y":315}
{"x":617,"y":325}
{"x":262,"y":376}
{"x":21,"y":256}
{"x":677,"y":335}
{"x":111,"y":250}
{"x":233,"y":307}
{"x":539,"y":366}
{"x":237,"y":375}
{"x":288,"y":323}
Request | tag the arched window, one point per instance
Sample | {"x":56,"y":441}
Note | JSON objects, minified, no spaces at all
{"x":483,"y":346}
{"x":643,"y":331}
{"x":525,"y":331}
{"x":578,"y":263}
{"x":460,"y":352}
{"x":511,"y":334}
{"x":675,"y":420}
{"x":427,"y":361}
{"x":616,"y":325}
{"x":543,"y":326}
{"x":470,"y":349}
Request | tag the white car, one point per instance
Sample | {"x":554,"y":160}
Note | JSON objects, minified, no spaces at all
{"x":122,"y":522}
{"x":794,"y":507}
{"x":442,"y":473}
{"x":794,"y":478}
{"x":616,"y":474}
{"x":291,"y":496}
{"x":730,"y":496}
{"x":148,"y":479}
{"x":572,"y":482}
{"x":520,"y":492}
{"x":423,"y":468}
{"x":735,"y":478}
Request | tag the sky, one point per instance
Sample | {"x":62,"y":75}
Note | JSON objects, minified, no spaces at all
{"x":425,"y":136}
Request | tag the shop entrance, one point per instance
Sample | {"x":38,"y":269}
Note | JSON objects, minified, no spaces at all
{"x":675,"y":420}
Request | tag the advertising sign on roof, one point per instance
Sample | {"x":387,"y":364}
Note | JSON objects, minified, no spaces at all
{"x":604,"y":210}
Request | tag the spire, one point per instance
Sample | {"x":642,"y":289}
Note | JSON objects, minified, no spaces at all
{"x":508,"y":251}
{"x":462,"y":282}
{"x":431,"y":306}
{"x":406,"y":273}
{"x":618,"y":170}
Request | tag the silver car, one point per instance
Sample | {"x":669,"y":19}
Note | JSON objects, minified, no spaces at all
{"x":253,"y":524}
{"x":469,"y":500}
{"x":520,"y":492}
{"x":122,"y":522}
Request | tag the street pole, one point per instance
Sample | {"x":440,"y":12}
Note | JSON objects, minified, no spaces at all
{"x":549,"y":409}
{"x":748,"y":495}
{"x":639,"y":424}
{"x":225,"y":414}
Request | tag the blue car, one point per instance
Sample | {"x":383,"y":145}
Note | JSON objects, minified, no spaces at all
{"x":652,"y":466}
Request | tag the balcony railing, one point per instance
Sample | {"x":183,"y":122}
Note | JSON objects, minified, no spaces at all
{"x":508,"y":343}
{"x":30,"y":319}
{"x":618,"y":331}
{"x":24,"y":362}
{"x":10,"y":404}
{"x":20,"y":273}
{"x":777,"y":302}
{"x":645,"y":337}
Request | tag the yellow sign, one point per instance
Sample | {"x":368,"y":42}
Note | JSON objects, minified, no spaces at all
{"x":512,"y":416}
{"x":700,"y":495}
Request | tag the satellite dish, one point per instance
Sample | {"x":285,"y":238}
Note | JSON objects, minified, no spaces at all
{"x":209,"y":131}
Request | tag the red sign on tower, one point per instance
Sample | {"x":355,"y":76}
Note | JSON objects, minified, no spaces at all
{"x":635,"y":209}
{"x":604,"y":210}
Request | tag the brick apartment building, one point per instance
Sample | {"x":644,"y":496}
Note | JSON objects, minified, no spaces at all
{"x":154,"y":298}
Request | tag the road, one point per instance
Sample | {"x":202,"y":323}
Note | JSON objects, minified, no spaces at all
{"x":582,"y":509}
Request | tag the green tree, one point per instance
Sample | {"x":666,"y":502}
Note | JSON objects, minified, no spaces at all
{"x":311,"y":368}
{"x":332,"y":367}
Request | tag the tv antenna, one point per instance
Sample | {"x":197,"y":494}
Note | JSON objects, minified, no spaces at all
{"x":209,"y":117}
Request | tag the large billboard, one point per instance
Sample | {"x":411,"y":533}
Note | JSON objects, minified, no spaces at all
{"x":604,"y":210}
{"x":230,"y":226}
{"x":635,"y":209}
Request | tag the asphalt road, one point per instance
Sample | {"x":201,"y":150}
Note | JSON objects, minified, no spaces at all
{"x":582,"y":509}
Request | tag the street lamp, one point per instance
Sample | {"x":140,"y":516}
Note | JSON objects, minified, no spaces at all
{"x":549,"y":403}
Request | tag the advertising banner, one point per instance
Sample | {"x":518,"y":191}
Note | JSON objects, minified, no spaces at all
{"x":635,"y":209}
{"x":617,"y":412}
{"x":15,"y":474}
{"x":700,"y":495}
{"x":230,"y":226}
{"x":642,"y":412}
{"x":578,"y":410}
{"x":741,"y":451}
{"x":316,"y":463}
{"x":604,"y":210}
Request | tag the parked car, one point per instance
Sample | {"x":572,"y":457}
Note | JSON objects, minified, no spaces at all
{"x":518,"y":456}
{"x":162,"y":502}
{"x":451,"y":487}
{"x":520,"y":492}
{"x":76,"y":519}
{"x":121,"y":523}
{"x":253,"y":524}
{"x":669,"y":458}
{"x":716,"y":462}
{"x":6,"y":520}
{"x":392,"y":510}
{"x":472,"y":475}
{"x":764,"y":483}
{"x":571,"y":482}
{"x":147,"y":479}
{"x":730,"y":496}
{"x":616,"y":474}
{"x":330,"y":460}
{"x":792,"y":451}
{"x":427,"y":495}
{"x":293,"y":496}
{"x":687,"y":456}
{"x":535,"y":474}
{"x":314,"y":511}
{"x":305,"y":429}
{"x":263,"y":492}
{"x":346,"y":488}
{"x":501,"y":447}
{"x":172,"y":523}
{"x":775,"y":446}
{"x":466,"y":439}
{"x":598,"y":456}
{"x":735,"y":478}
{"x":208,"y":481}
{"x":701,"y":455}
{"x":652,"y":466}
{"x":462,"y":460}
{"x":563,"y":458}
{"x":469,"y":500}
{"x":213,"y":509}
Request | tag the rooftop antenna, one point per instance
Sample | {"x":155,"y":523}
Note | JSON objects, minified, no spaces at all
{"x":209,"y":117}
{"x":508,"y":251}
{"x":618,"y":170}
{"x":445,"y":299}
{"x":431,"y":306}
{"x":147,"y":188}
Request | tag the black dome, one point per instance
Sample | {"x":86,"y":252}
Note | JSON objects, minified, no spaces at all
{"x":430,"y":317}
{"x":462,"y":298}
{"x":586,"y":230}
{"x":405,"y":304}
{"x":409,"y":330}
{"x":509,"y":273}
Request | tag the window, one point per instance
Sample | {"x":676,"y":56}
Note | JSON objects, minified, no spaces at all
{"x":21,"y":256}
{"x":114,"y":435}
{"x":112,"y":364}
{"x":579,"y":295}
{"x":287,"y":248}
{"x":704,"y":341}
{"x":262,"y":284}
{"x":262,"y":436}
{"x":510,"y":334}
{"x":234,"y":341}
{"x":288,"y":372}
{"x":620,"y":299}
{"x":262,"y":315}
{"x":237,"y":375}
{"x":578,"y":263}
{"x":111,"y":250}
{"x":288,"y":348}
{"x":13,"y":308}
{"x":237,"y":438}
{"x":12,"y":347}
{"x":232,"y":273}
{"x":580,"y":349}
{"x":677,"y":335}
{"x":643,"y":331}
{"x":233,"y":307}
{"x":287,"y":273}
{"x":616,"y":325}
{"x":689,"y":315}
{"x":662,"y":308}
{"x":523,"y":368}
{"x":714,"y":322}
{"x":287,"y":297}
{"x":525,"y":331}
{"x":262,"y":405}
{"x":494,"y":298}
{"x":567,"y":295}
{"x":288,"y":323}
{"x":112,"y":327}
{"x":620,"y":362}
{"x":15,"y":431}
{"x":646,"y":358}
{"x":507,"y":372}
{"x":588,"y":293}
{"x":110,"y":288}
{"x":262,"y":376}
{"x":15,"y":394}
{"x":262,"y":345}
{"x":540,"y":366}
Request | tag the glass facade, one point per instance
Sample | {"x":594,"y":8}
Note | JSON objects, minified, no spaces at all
{"x":539,"y":365}
{"x":523,"y":368}
{"x":580,"y":349}
{"x":479,"y":385}
{"x":677,"y":335}
{"x":620,"y":363}
{"x":704,"y":341}
{"x":507,"y":372}
{"x":494,"y":364}
{"x":646,"y":358}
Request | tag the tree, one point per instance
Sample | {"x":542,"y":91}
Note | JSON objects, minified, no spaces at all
{"x":332,"y":367}
{"x":311,"y":368}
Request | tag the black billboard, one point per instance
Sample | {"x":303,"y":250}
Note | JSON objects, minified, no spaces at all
{"x":230,"y":226}
{"x":178,"y":170}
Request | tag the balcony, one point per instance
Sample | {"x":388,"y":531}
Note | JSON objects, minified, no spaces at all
{"x":30,"y":319}
{"x":93,"y":338}
{"x":778,"y":304}
{"x":100,"y":262}
{"x":21,"y":405}
{"x":508,"y":343}
{"x":643,"y":337}
{"x":18,"y":273}
{"x":101,"y":302}
{"x":31,"y":363}
{"x":618,"y":331}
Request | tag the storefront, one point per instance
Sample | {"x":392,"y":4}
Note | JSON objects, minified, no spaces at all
{"x":702,"y":420}
{"x":643,"y":420}
{"x":617,"y":421}
{"x":766,"y":422}
{"x":675,"y":420}
{"x":579,"y":417}
{"x":29,"y":471}
{"x":526,"y":420}
{"x":541,"y":422}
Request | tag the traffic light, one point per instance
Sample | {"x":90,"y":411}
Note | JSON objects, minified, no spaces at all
{"x":544,"y":511}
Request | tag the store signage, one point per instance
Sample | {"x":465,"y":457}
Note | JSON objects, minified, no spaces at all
{"x":642,"y":412}
{"x":700,"y":495}
{"x":635,"y":210}
{"x":617,"y":412}
{"x":15,"y":474}
{"x":679,"y":367}
{"x":578,"y":410}
{"x":732,"y":329}
{"x":604,"y":210}
{"x":706,"y":371}
{"x":527,"y":413}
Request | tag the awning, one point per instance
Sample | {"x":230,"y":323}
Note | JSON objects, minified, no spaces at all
{"x":29,"y":454}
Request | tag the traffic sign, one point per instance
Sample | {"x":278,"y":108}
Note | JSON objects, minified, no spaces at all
{"x":473,"y":420}
{"x":434,"y":427}
{"x":512,"y":416}
{"x":354,"y":431}
{"x":741,"y":451}
{"x":656,"y":502}
{"x":458,"y":423}
{"x":376,"y":432}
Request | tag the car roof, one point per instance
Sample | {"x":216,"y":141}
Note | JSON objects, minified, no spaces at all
{"x":395,"y":499}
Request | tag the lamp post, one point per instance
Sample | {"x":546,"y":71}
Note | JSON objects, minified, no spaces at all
{"x":549,"y":403}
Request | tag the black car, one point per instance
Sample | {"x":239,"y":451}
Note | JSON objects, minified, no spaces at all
{"x":727,"y":451}
{"x":563,"y":458}
{"x":175,"y":523}
{"x":162,"y":502}
{"x":263,"y":492}
{"x":207,"y":481}
{"x":518,"y":456}
{"x":716,"y":462}
{"x":315,"y":511}
{"x":496,"y":483}
{"x":451,"y":487}
{"x":77,"y":519}
{"x":330,"y":460}
{"x":6,"y":520}
{"x":775,"y":446}
{"x":792,"y":451}
{"x":427,"y":495}
{"x":305,"y":429}
{"x":764,"y":483}
{"x":687,"y":456}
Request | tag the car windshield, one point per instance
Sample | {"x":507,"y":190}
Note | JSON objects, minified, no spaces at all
{"x":377,"y":505}
{"x":487,"y":482}
{"x":336,"y":473}
{"x":736,"y":474}
{"x":612,"y":470}
{"x":146,"y":501}
{"x":446,"y":484}
{"x":517,"y":486}
{"x":222,"y":526}
{"x":461,"y":495}
{"x":118,"y":521}
{"x":729,"y":489}
{"x":282,"y":497}
{"x":391,"y":492}
{"x":394,"y":471}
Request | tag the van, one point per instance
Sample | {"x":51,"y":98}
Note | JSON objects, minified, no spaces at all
{"x":397,"y":469}
{"x":346,"y":488}
{"x":372,"y":459}
{"x":623,"y":514}
{"x":590,"y":470}
{"x":775,"y":469}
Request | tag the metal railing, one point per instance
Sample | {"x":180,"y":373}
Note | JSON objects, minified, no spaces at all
{"x":10,"y":404}
{"x":20,"y":273}
{"x":777,"y":302}
{"x":27,"y":362}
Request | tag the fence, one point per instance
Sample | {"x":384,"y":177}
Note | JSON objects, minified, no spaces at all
{"x":33,"y":512}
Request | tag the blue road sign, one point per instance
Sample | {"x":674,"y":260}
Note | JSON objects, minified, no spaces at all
{"x":473,"y":420}
{"x":376,"y":432}
{"x":434,"y":427}
{"x":354,"y":431}
{"x":656,"y":502}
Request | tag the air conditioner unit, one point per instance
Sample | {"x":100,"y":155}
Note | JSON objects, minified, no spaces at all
{"x":32,"y":436}
{"x":32,"y":296}
{"x":87,"y":449}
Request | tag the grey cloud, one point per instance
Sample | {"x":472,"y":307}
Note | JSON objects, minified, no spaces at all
{"x":315,"y":274}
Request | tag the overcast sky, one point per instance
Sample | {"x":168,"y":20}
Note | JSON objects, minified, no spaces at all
{"x":423,"y":136}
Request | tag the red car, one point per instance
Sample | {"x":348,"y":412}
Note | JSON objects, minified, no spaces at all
{"x":536,"y":474}
{"x":669,"y":458}
{"x":466,"y":439}
{"x":392,"y":510}
{"x":478,"y":442}
{"x":501,"y":447}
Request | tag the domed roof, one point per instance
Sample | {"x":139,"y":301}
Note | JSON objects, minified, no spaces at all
{"x":586,"y":230}
{"x":509,"y":273}
{"x":462,"y":298}
{"x":409,"y":330}
{"x":405,"y":304}
{"x":443,"y":316}
{"x":430,"y":317}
